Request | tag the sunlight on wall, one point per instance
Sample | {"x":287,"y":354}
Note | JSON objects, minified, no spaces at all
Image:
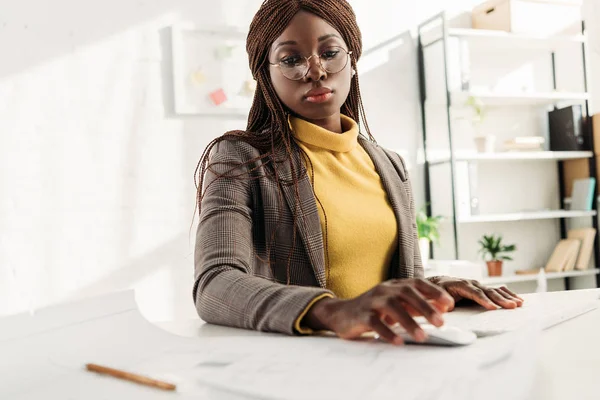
{"x":92,"y":171}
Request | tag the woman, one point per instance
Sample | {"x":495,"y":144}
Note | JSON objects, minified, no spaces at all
{"x":305,"y":224}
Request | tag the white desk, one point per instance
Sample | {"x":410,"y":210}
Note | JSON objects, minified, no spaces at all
{"x":42,"y":356}
{"x":568,"y":365}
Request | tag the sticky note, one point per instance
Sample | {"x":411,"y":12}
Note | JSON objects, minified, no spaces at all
{"x":248,"y":88}
{"x":223,"y":52}
{"x":218,"y":97}
{"x":198,"y":77}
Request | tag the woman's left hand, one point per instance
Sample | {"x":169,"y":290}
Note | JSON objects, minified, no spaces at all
{"x":490,"y":298}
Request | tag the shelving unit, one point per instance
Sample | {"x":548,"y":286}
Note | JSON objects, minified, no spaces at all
{"x":501,"y":38}
{"x":516,"y":99}
{"x":436,"y":158}
{"x":436,"y":31}
{"x":526,"y":216}
{"x":500,"y":280}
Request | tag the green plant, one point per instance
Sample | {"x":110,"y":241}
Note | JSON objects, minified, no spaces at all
{"x":492,"y":245}
{"x":478,"y":107}
{"x":428,"y":227}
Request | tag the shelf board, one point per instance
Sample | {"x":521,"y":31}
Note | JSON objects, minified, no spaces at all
{"x":517,"y":98}
{"x":531,"y":215}
{"x":497,"y":280}
{"x":444,"y":157}
{"x":516,"y":39}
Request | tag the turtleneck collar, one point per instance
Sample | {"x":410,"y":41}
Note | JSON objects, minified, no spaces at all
{"x":312,"y":134}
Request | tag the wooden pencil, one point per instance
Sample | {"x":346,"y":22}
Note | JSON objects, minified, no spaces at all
{"x":130,"y":377}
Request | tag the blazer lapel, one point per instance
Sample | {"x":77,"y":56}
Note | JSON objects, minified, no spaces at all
{"x":308,"y":220}
{"x":395,"y":187}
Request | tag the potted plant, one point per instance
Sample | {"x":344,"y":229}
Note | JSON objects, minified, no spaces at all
{"x":494,"y":252}
{"x":483,"y":143}
{"x":427,"y":231}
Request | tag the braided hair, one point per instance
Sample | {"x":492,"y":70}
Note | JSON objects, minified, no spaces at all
{"x":268,"y":129}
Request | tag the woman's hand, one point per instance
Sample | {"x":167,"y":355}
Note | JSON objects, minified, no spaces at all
{"x":395,"y":301}
{"x":490,"y":298}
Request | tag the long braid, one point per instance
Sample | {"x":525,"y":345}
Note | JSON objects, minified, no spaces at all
{"x":268,"y":129}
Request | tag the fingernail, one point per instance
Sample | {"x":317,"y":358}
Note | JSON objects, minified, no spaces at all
{"x":398,"y":340}
{"x":420,"y":335}
{"x":437,"y":320}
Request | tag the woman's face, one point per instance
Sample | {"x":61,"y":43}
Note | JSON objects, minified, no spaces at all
{"x":318,"y":95}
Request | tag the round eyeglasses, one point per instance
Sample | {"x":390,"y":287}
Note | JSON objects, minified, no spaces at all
{"x":295,"y":67}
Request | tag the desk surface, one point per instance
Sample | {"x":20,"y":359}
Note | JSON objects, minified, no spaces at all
{"x":568,"y":364}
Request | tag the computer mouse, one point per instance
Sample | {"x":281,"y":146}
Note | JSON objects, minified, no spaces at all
{"x":443,"y":336}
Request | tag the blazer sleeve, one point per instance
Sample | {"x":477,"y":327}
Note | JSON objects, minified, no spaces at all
{"x":226,"y":292}
{"x":418,"y":263}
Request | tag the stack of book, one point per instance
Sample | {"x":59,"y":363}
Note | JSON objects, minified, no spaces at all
{"x":574,"y":252}
{"x":525,"y":143}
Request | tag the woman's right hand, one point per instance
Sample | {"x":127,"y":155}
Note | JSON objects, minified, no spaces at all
{"x":394,"y":301}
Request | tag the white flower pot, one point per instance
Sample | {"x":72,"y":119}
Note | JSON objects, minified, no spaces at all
{"x":424,"y":249}
{"x":485,"y":144}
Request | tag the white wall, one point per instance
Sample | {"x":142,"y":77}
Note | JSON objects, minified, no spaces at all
{"x":96,"y":173}
{"x":95,"y":170}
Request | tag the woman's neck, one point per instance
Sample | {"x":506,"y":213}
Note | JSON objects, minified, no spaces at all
{"x":332,"y":123}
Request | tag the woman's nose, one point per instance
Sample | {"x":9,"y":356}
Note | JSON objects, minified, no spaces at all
{"x":315,"y":70}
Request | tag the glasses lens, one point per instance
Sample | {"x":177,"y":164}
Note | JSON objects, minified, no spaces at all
{"x":334,"y":59}
{"x":293,"y":67}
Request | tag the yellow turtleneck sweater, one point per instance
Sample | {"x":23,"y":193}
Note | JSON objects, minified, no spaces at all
{"x":360,"y":235}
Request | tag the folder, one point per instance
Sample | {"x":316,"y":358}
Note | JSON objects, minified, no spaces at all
{"x":583,"y":194}
{"x":586,"y":236}
{"x":564,"y":256}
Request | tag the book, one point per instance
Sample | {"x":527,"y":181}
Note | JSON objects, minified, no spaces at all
{"x":527,"y":271}
{"x":572,"y":258}
{"x":564,"y":256}
{"x":582,"y":197}
{"x":466,"y":189}
{"x":524,"y":144}
{"x":586,"y":236}
{"x":529,"y":140}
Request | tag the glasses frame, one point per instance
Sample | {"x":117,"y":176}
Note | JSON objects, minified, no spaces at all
{"x":348,"y":54}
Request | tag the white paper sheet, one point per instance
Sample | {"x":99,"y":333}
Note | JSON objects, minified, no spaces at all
{"x":293,"y":368}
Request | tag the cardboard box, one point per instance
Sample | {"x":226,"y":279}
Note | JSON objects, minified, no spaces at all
{"x":535,"y":17}
{"x":578,"y":169}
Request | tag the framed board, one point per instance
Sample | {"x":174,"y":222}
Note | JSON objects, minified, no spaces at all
{"x":211,"y":76}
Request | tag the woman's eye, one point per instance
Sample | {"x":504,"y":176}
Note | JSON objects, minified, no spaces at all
{"x":329,"y":54}
{"x":290,"y":61}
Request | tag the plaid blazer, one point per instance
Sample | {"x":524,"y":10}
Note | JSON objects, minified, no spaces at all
{"x":240,"y":218}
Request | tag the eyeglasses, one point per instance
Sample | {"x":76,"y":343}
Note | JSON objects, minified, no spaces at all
{"x":295,"y":67}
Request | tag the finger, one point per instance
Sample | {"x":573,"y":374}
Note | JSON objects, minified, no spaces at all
{"x":434,"y":292}
{"x":508,"y":296}
{"x":497,"y":298}
{"x":395,"y":310}
{"x":415,"y":300}
{"x":506,"y":290}
{"x":474,"y":293}
{"x":441,"y":308}
{"x":384,"y":331}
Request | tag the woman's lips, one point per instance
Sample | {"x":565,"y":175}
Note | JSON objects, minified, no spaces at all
{"x":318,"y":95}
{"x":320,"y":98}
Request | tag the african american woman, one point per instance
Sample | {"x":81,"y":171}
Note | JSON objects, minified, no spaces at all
{"x":305,"y":223}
